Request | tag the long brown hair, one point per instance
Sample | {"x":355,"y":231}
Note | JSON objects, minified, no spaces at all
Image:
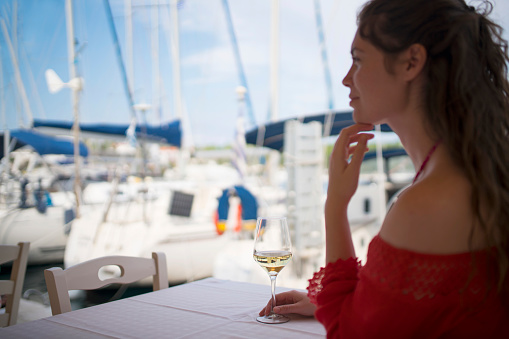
{"x":466,"y":97}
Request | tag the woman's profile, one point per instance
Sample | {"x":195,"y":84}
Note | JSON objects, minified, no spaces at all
{"x":435,"y":71}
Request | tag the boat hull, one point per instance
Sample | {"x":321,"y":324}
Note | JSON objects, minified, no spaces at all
{"x":46,"y":232}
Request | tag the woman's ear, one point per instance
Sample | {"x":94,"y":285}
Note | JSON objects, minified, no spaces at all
{"x":414,"y":59}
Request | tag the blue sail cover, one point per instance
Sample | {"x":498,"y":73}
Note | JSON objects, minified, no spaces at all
{"x":169,"y":133}
{"x":272,"y":134}
{"x":44,"y":144}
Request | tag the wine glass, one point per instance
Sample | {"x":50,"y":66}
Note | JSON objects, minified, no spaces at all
{"x":272,"y":251}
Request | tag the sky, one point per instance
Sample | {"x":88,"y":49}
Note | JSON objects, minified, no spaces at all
{"x":36,"y":31}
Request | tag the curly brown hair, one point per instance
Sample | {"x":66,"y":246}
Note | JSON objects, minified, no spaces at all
{"x":466,"y":96}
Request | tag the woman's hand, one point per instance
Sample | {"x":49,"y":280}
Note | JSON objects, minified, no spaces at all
{"x":343,"y":181}
{"x":343,"y":171}
{"x":291,"y":302}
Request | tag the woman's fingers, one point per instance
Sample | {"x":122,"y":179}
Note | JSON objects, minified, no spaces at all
{"x":348,"y":136}
{"x":360,"y":149}
{"x":281,"y":299}
{"x":356,"y":128}
{"x":351,"y":131}
{"x":352,"y":149}
{"x":290,"y":302}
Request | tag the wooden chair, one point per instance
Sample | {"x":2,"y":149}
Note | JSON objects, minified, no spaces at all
{"x":85,"y":276}
{"x":12,"y":288}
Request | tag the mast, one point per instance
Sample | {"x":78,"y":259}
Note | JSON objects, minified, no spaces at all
{"x":239,"y":144}
{"x":155,"y":61}
{"x":129,"y":40}
{"x":125,"y":80}
{"x":323,"y":49}
{"x":173,"y":36}
{"x":14,"y":29}
{"x":74,"y":97}
{"x":175,"y":47}
{"x":242,"y":76}
{"x":274,"y":64}
{"x":4,"y":120}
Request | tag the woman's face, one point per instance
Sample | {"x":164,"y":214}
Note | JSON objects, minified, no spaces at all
{"x":376,"y":95}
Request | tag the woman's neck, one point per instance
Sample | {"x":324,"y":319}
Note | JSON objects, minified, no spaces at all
{"x":414,"y":138}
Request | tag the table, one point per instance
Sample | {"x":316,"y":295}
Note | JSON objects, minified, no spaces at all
{"x":209,"y":308}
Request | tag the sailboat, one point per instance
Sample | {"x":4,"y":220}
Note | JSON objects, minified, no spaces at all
{"x":33,"y":207}
{"x":173,"y":214}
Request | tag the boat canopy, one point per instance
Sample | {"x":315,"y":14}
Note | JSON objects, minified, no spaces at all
{"x":386,"y":153}
{"x":42,"y":143}
{"x":247,"y":200}
{"x":272,"y":134}
{"x":168,"y":133}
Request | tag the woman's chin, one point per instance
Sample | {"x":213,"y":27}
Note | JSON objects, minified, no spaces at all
{"x":358,"y":119}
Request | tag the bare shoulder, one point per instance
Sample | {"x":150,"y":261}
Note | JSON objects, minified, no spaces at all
{"x":432,"y":216}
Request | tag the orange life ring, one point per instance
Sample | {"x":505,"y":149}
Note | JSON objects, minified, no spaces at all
{"x":221,"y":224}
{"x":238,"y":227}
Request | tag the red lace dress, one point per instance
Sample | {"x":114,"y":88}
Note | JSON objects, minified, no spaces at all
{"x":403,"y":294}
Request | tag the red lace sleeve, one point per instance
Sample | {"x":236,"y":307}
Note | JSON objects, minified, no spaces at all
{"x":330,"y":288}
{"x":403,"y":294}
{"x":341,"y":270}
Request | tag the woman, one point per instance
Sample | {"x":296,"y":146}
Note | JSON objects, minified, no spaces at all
{"x":436,"y":73}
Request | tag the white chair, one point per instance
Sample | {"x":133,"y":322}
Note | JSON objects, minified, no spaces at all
{"x":12,"y":288}
{"x":85,"y":276}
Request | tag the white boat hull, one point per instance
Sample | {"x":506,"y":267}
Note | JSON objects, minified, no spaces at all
{"x":138,"y":228}
{"x":47,"y":233}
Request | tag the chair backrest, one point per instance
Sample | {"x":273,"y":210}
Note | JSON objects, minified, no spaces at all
{"x":12,"y":288}
{"x":85,"y":276}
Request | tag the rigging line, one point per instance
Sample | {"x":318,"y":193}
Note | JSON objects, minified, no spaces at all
{"x":129,"y":43}
{"x":240,"y":69}
{"x":175,"y":107}
{"x":174,"y":42}
{"x":323,"y":48}
{"x":208,"y":61}
{"x":82,"y":25}
{"x":2,"y":93}
{"x":273,"y":110}
{"x":19,"y":82}
{"x":14,"y":28}
{"x":82,"y":21}
{"x":167,"y":33}
{"x":6,"y":17}
{"x":154,"y":48}
{"x":119,"y":58}
{"x":32,"y":81}
{"x":329,"y":119}
{"x":165,"y":102}
{"x":45,"y":59}
{"x":142,"y":62}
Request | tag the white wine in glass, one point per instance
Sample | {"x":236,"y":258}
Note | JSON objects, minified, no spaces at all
{"x":272,"y":251}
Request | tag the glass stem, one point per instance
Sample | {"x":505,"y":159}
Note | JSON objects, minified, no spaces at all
{"x":273,"y":289}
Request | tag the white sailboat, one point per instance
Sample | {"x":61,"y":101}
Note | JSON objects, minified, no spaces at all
{"x":28,"y":211}
{"x":173,"y":215}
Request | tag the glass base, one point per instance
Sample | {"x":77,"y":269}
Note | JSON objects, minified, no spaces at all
{"x":273,"y":319}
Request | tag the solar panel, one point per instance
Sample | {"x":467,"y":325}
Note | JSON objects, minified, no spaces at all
{"x":181,"y":204}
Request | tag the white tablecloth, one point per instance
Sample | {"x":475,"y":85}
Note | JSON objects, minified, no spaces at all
{"x":209,"y":308}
